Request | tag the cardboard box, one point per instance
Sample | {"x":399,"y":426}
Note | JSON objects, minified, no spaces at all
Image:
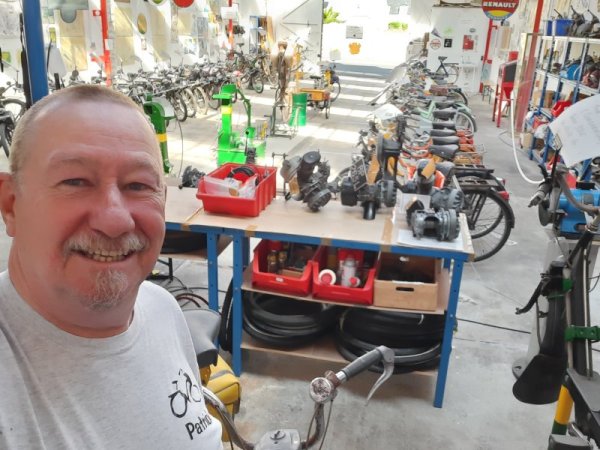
{"x":417,"y":282}
{"x":548,"y":96}
{"x":526,"y":140}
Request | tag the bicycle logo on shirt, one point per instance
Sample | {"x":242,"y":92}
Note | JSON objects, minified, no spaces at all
{"x":186,"y":392}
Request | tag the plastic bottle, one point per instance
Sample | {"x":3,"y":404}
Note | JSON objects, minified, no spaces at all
{"x":281,"y":260}
{"x":348,"y":271}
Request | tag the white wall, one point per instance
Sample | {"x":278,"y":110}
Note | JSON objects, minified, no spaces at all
{"x":379,"y":46}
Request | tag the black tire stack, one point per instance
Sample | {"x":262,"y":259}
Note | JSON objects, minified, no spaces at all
{"x":415,"y":338}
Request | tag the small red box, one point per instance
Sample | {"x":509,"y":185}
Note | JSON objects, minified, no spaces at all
{"x":275,"y":282}
{"x":361,"y":295}
{"x":236,"y":206}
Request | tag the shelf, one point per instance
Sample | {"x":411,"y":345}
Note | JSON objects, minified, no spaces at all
{"x":323,"y":349}
{"x":579,"y":40}
{"x":442,"y":300}
{"x":583,"y":89}
{"x":544,"y":111}
{"x":200,"y":254}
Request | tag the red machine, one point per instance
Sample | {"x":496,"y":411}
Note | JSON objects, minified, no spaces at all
{"x":504,"y":87}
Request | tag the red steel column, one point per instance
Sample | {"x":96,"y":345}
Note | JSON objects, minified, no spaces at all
{"x":107,"y":62}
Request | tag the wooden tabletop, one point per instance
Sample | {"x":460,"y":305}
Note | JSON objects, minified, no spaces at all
{"x":334,"y":221}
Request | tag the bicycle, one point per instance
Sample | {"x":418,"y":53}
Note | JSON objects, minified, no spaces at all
{"x":561,"y":367}
{"x":448,"y":71}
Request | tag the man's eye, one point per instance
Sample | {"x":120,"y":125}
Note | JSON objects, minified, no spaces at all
{"x":138,"y":186}
{"x":74,"y":182}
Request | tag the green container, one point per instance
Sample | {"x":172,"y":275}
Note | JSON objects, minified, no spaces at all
{"x":298,"y":115}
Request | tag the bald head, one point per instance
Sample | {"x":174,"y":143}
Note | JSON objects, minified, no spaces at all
{"x":51,"y":104}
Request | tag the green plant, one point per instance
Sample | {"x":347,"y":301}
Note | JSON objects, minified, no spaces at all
{"x":397,"y":26}
{"x":331,"y":16}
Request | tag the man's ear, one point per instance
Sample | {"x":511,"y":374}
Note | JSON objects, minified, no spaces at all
{"x":7,"y":202}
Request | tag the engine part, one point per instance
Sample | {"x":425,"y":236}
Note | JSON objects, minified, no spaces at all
{"x":367,"y":183}
{"x":442,"y":224}
{"x":305,"y":184}
{"x":190,"y":177}
{"x":420,"y":183}
{"x":447,"y":198}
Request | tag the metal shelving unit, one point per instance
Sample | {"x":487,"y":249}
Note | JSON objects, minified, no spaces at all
{"x":549,"y":43}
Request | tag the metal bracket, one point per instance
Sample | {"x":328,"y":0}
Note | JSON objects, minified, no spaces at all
{"x":590,"y":333}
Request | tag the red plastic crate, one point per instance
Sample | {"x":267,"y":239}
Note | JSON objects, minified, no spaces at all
{"x":275,"y":282}
{"x":235,"y":206}
{"x":361,"y":295}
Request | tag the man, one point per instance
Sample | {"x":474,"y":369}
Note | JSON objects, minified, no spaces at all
{"x":91,"y":356}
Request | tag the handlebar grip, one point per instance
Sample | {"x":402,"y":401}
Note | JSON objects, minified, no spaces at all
{"x":363,"y":363}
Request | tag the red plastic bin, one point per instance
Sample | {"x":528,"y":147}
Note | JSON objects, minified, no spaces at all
{"x":275,"y":282}
{"x":235,"y":206}
{"x":360,"y":295}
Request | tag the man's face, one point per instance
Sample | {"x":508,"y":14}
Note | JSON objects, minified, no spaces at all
{"x":88,"y":220}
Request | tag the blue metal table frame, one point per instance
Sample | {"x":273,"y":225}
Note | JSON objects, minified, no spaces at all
{"x":290,"y":221}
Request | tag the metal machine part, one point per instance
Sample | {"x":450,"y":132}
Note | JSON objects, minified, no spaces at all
{"x":442,"y":224}
{"x":447,"y":198}
{"x":305,"y":184}
{"x":369,"y":182}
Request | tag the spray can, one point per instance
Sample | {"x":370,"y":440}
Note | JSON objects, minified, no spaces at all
{"x":349,"y":272}
{"x":281,"y":260}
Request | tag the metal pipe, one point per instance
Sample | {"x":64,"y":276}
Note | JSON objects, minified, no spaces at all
{"x":34,"y":43}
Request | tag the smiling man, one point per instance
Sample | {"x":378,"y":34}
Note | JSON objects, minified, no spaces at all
{"x":91,"y":356}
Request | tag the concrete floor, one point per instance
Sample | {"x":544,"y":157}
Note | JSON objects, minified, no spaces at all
{"x":479,"y":410}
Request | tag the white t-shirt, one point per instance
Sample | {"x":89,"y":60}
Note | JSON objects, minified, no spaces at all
{"x":136,"y":390}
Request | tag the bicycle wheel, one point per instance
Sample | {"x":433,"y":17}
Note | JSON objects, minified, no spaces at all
{"x":178,"y":106}
{"x":458,"y":96}
{"x":464,"y":121}
{"x":450,"y":74}
{"x":190,"y":101}
{"x":15,"y":106}
{"x":201,"y":100}
{"x":489,"y":219}
{"x":257,"y":83}
{"x":335,"y":90}
{"x":213,"y":103}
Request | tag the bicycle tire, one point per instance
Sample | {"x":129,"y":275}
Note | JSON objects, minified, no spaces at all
{"x":201,"y":100}
{"x":257,"y":83}
{"x":213,"y":103}
{"x":4,"y":140}
{"x":178,"y":106}
{"x":458,"y":95}
{"x":15,"y":106}
{"x":336,"y":88}
{"x":490,"y":229}
{"x":463,"y":120}
{"x":190,"y":101}
{"x":450,"y":74}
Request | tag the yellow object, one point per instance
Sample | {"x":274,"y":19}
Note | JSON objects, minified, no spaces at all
{"x":354,"y":48}
{"x":225,"y":385}
{"x":316,"y":95}
{"x":429,"y":169}
{"x":563,"y":406}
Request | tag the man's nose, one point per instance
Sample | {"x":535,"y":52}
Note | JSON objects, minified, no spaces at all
{"x":111,"y":215}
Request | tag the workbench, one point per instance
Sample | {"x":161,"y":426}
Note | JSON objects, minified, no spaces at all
{"x":334,"y":225}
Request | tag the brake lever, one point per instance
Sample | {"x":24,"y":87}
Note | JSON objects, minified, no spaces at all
{"x":388,"y":369}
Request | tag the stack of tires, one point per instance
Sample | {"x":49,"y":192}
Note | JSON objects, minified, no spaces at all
{"x":415,"y":338}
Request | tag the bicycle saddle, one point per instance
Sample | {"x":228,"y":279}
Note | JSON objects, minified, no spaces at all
{"x":442,"y":58}
{"x":445,"y":140}
{"x":443,"y":124}
{"x":315,"y":77}
{"x":444,"y":104}
{"x":444,"y":113}
{"x":441,"y":133}
{"x":204,"y":329}
{"x":447,"y":152}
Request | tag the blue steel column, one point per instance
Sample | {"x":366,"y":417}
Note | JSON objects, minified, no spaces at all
{"x":440,"y":385}
{"x":238,"y":277}
{"x":213,"y":270}
{"x":34,"y":42}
